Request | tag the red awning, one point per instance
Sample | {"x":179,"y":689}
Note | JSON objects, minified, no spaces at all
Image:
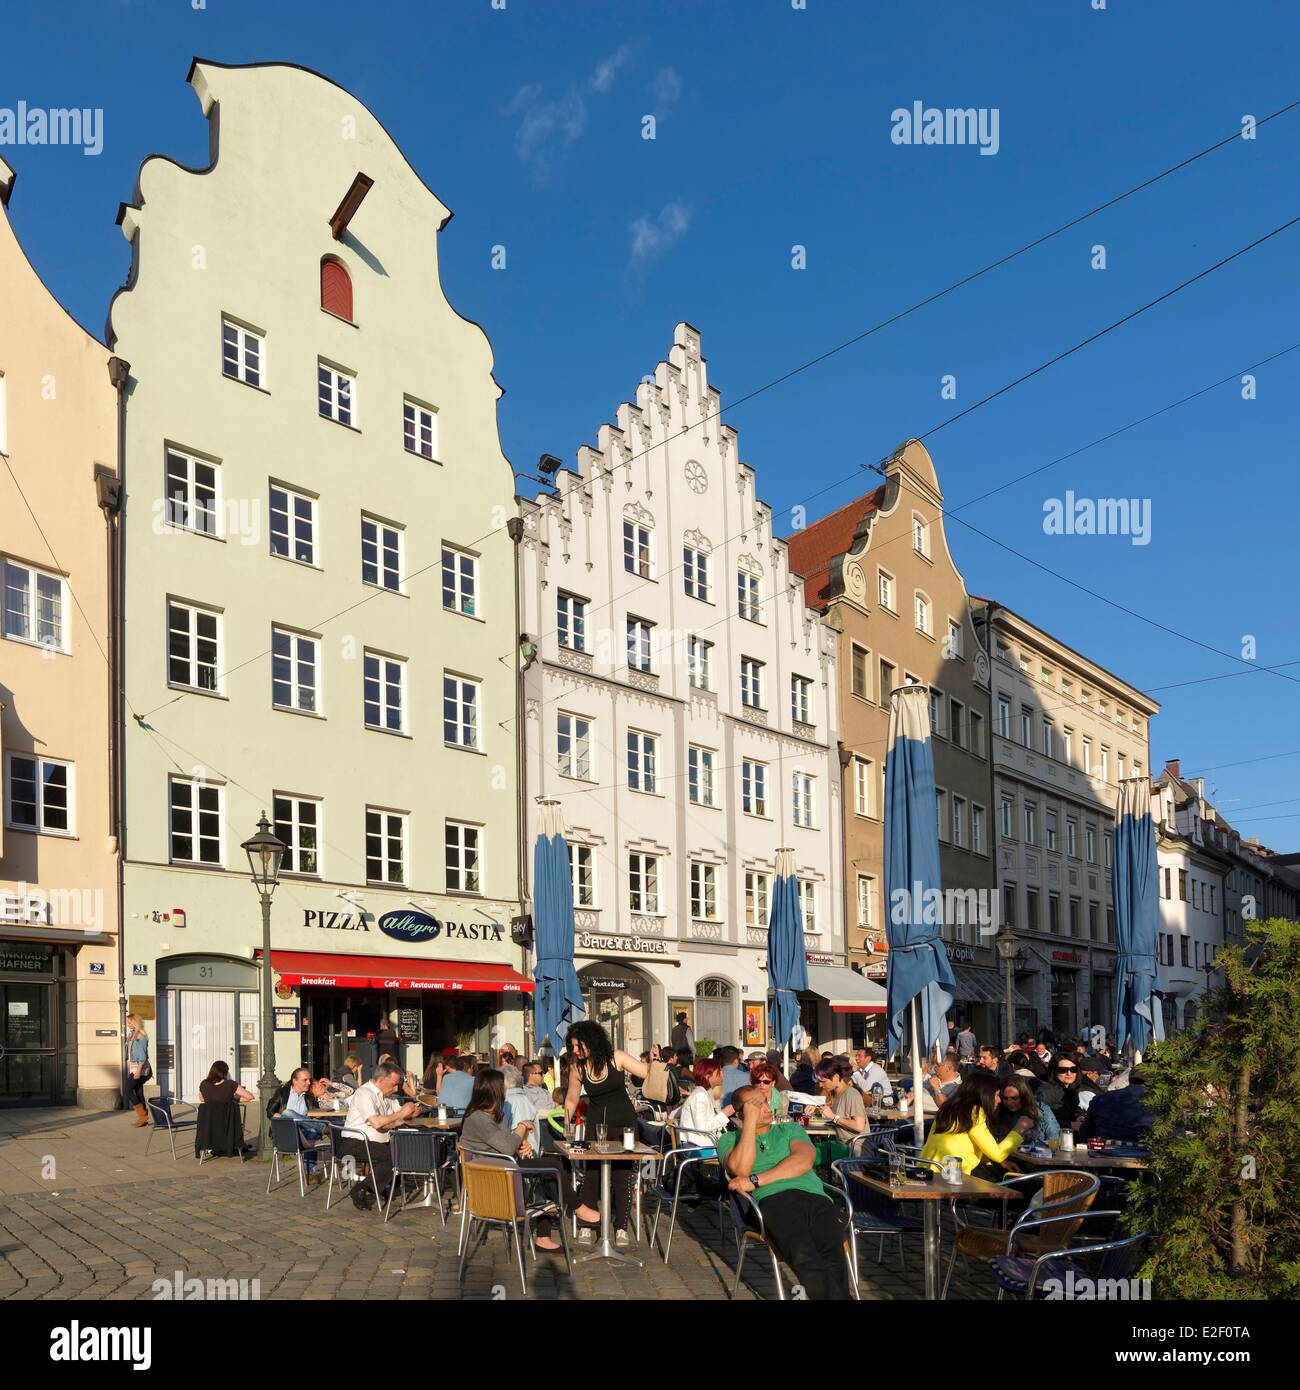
{"x":858,"y":1008}
{"x":298,"y":968}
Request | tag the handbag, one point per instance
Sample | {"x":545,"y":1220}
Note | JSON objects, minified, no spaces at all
{"x":661,"y":1085}
{"x":142,"y":1071}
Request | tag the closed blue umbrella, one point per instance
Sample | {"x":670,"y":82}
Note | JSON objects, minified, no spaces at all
{"x":1138,"y":1009}
{"x":787,"y":962}
{"x":558,"y":999}
{"x":919,"y":981}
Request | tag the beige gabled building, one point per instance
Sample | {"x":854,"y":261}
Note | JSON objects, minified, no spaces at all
{"x":59,"y":1013}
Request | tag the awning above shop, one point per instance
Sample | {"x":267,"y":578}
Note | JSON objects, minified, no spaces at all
{"x":985,"y":987}
{"x":845,"y":990}
{"x":56,"y":936}
{"x":297,"y":968}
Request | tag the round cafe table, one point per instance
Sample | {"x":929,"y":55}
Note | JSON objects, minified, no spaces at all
{"x":607,"y":1154}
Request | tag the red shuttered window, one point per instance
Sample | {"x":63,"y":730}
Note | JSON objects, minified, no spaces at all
{"x":335,"y":289}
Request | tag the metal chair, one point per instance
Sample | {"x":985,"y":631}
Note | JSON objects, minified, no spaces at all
{"x":287,"y":1142}
{"x":160,"y":1107}
{"x":416,"y":1154}
{"x":873,"y":1214}
{"x":341,"y":1164}
{"x":747,"y":1217}
{"x":1065,"y":1193}
{"x":493,"y":1197}
{"x":1055,"y":1274}
{"x":698,"y":1152}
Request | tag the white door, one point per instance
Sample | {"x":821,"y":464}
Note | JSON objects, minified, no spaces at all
{"x":207,"y":1035}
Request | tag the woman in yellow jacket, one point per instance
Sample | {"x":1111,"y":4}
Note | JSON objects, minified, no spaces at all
{"x":961,"y":1128}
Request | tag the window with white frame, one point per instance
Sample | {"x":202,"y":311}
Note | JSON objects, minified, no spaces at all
{"x":638,"y":555}
{"x":700,"y":764}
{"x":573,"y":745}
{"x":1049,"y":823}
{"x":460,"y":711}
{"x":385,"y":845}
{"x":643,"y":883}
{"x":1108,"y":848}
{"x":336,"y":394}
{"x":751,"y":682}
{"x":193,"y":647}
{"x":957,"y":722}
{"x":459,"y":581}
{"x":699,"y":663}
{"x":959,"y":821}
{"x":295,"y":671}
{"x":40,"y":795}
{"x":695,"y":573}
{"x":860,"y":672}
{"x":582,"y":868}
{"x":920,"y":535}
{"x":954,"y":643}
{"x":1004,"y":717}
{"x":298,"y":823}
{"x":977,"y":829}
{"x":747,"y":604}
{"x":803,"y":788}
{"x":642,"y":757}
{"x":941,"y":805}
{"x":1090,"y":843}
{"x":1104,"y":768}
{"x":1031,"y":822}
{"x":1067,"y":746}
{"x":1006,"y":818}
{"x":808,"y":904}
{"x":885,"y":589}
{"x":753,"y":787}
{"x":35,"y":604}
{"x":801,"y":699}
{"x":888,"y":673}
{"x":463,"y":844}
{"x":381,"y":554}
{"x":1087,"y":755}
{"x":1026,"y":727}
{"x":1072,"y":837}
{"x":419,"y":429}
{"x":757,"y":896}
{"x":193,"y":494}
{"x":293,"y":524}
{"x":195,"y":814}
{"x":975,"y":722}
{"x":936,"y":712}
{"x":864,"y":786}
{"x":384,"y":692}
{"x":243,"y":353}
{"x":866,"y":902}
{"x":640,"y":634}
{"x":571,"y":622}
{"x":704,"y":892}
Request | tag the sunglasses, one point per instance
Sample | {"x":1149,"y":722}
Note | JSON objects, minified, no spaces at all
{"x":1067,"y":1071}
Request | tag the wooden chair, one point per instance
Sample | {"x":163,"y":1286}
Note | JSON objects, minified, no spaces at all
{"x":1065,"y":1193}
{"x":492,"y":1197}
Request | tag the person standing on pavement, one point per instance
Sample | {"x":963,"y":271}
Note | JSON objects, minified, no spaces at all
{"x":967,"y":1047}
{"x":138,"y":1069}
{"x":683,"y":1040}
{"x":388,"y":1040}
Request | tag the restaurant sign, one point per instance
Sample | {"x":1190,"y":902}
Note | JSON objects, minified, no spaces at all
{"x":639,"y":945}
{"x":412,"y":928}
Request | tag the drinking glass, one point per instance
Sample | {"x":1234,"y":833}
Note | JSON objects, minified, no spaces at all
{"x":602,"y":1133}
{"x":896,"y":1169}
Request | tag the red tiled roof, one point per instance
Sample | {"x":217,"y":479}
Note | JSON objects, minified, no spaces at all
{"x":813,"y":548}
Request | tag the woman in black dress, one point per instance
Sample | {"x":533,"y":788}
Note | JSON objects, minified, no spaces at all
{"x":220,"y":1128}
{"x":601,"y":1070}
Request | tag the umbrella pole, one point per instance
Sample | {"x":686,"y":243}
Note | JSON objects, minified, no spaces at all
{"x":917,"y":1108}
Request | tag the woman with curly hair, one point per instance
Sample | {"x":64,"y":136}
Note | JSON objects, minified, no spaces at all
{"x":600,"y":1070}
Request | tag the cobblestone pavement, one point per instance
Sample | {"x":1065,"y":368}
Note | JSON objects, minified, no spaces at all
{"x":119,"y":1224}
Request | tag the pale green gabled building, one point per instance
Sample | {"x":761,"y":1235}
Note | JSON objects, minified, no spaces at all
{"x":318,"y":598}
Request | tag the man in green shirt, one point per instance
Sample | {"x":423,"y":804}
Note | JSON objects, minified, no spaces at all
{"x":773,"y":1163}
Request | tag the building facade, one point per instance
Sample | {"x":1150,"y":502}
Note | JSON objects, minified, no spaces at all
{"x":319,"y":617}
{"x":881,"y":573}
{"x":60,"y":1025}
{"x":1065,"y":732}
{"x":683,"y":710}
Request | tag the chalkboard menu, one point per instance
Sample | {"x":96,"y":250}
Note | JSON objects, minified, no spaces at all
{"x":408,"y":1024}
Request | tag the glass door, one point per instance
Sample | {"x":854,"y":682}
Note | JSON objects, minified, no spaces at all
{"x":28,"y":1052}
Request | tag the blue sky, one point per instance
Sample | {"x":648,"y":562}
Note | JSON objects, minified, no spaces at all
{"x":773,"y":130}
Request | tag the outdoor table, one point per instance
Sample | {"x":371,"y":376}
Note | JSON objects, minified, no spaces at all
{"x":433,"y":1122}
{"x":610,"y":1153}
{"x":1084,"y":1159}
{"x":327,"y":1114}
{"x":931,"y":1194}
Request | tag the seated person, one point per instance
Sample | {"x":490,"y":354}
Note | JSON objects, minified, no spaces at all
{"x":1124,"y":1115}
{"x":702,"y":1116}
{"x":349,"y":1075}
{"x":844,"y":1106}
{"x":537,"y":1089}
{"x":487,"y":1126}
{"x":508,"y":1066}
{"x":941,"y":1084}
{"x":961,"y":1128}
{"x":1016,"y":1098}
{"x":774,"y":1165}
{"x":220,"y":1127}
{"x":868,"y":1074}
{"x":457,"y":1083}
{"x":373,"y":1113}
{"x":803,"y":1077}
{"x":302,"y":1094}
{"x":734,"y":1073}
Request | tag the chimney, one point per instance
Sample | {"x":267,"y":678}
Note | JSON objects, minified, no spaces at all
{"x":1172,"y":768}
{"x":1199,"y":784}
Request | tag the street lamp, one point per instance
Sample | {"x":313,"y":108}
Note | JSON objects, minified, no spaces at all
{"x":265,"y":852}
{"x":1007,"y":947}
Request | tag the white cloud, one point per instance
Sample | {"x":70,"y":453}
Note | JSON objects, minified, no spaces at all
{"x":653,"y":236}
{"x":667,"y":89}
{"x":547,"y":127}
{"x":602,"y":80}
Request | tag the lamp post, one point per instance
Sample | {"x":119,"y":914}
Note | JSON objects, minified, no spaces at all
{"x":1007,"y":947}
{"x":265,"y":853}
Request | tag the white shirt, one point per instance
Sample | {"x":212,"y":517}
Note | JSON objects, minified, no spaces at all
{"x":873,"y":1074}
{"x":700,"y":1115}
{"x":367,"y":1101}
